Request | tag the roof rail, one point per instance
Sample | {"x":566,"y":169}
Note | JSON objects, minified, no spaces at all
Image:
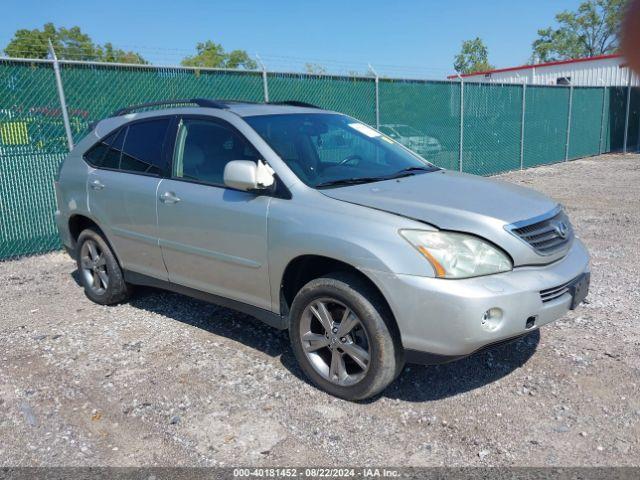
{"x":295,"y":103}
{"x":201,"y":102}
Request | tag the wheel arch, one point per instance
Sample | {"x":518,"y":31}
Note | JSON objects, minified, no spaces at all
{"x":79,"y":222}
{"x":304,"y":268}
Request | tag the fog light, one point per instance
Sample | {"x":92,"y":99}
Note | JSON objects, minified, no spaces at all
{"x":491,"y":319}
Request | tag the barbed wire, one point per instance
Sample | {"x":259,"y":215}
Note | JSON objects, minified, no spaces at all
{"x":171,"y":56}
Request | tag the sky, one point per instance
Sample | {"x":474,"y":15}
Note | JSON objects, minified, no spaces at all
{"x":400,"y":38}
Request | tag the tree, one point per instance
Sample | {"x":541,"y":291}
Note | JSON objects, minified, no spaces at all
{"x":240,"y":59}
{"x":109,"y":53}
{"x":473,"y":57}
{"x":212,"y":55}
{"x":69,"y":44}
{"x":315,"y":69}
{"x":591,"y":30}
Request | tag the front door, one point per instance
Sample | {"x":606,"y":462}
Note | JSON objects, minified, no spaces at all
{"x":213,"y":238}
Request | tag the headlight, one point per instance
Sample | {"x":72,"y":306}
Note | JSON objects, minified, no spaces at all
{"x":457,"y":255}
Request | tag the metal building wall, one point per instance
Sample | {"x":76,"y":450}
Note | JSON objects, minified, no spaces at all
{"x":597,"y":73}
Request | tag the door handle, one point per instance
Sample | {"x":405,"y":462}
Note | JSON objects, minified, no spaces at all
{"x":169,"y":198}
{"x":97,"y":185}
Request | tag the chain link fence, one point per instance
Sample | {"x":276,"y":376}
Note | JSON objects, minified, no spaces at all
{"x":32,"y":145}
{"x":472,"y":127}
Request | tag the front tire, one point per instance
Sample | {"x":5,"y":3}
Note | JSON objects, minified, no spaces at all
{"x":100,"y":272}
{"x":344,"y":337}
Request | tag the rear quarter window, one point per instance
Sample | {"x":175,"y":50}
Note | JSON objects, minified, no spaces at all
{"x":95,"y":155}
{"x":111,"y":158}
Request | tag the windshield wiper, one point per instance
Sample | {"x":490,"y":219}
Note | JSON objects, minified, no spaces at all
{"x":350,"y":181}
{"x":411,"y":171}
{"x":355,"y":181}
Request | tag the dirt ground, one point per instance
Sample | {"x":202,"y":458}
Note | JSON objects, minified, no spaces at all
{"x":167,"y":380}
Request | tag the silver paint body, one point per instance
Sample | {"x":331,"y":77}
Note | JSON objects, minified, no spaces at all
{"x":238,"y":244}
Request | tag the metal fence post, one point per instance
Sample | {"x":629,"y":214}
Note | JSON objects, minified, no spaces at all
{"x":265,"y":82}
{"x":461,"y":122}
{"x":626,"y":116}
{"x":604,"y":99}
{"x":377,"y":95}
{"x":63,"y":101}
{"x":524,"y":107}
{"x":377,"y":101}
{"x":566,"y":145}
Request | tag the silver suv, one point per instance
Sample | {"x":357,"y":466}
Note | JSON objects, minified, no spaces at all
{"x":314,"y":222}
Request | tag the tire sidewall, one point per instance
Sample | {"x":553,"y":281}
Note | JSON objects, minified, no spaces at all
{"x":382,"y":364}
{"x":117,"y":288}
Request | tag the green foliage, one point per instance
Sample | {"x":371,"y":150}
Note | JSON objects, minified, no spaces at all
{"x":591,"y":30}
{"x":315,"y":68}
{"x":110,"y":54}
{"x":212,"y":55}
{"x":69,"y":44}
{"x":473,"y":57}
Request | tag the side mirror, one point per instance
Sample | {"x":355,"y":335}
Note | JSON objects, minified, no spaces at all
{"x":246,"y":175}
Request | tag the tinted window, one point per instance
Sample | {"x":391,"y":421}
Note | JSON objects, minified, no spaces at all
{"x":203,"y":149}
{"x":112,"y":157}
{"x":143,"y":147}
{"x":96,"y":154}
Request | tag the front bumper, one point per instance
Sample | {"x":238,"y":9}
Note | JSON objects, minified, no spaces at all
{"x":443,"y":318}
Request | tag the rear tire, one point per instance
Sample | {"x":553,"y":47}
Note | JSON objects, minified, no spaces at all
{"x":100,"y":272}
{"x":344,"y":338}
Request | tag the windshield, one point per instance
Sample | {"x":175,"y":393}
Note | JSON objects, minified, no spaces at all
{"x":325,"y":149}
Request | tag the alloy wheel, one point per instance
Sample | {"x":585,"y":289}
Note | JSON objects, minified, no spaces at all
{"x":94,"y":267}
{"x":335,"y":341}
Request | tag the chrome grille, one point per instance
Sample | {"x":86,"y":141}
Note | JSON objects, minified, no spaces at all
{"x":547,"y":235}
{"x":549,"y":294}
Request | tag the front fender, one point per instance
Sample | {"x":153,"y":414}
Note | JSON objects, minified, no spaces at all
{"x":364,"y":238}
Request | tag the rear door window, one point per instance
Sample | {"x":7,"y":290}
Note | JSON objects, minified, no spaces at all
{"x":143,"y":144}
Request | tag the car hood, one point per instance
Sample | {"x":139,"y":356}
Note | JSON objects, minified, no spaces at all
{"x":456,"y":201}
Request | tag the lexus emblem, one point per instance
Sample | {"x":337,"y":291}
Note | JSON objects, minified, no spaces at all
{"x":562,"y":229}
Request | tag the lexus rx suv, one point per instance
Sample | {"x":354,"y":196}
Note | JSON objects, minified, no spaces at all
{"x":315,"y":222}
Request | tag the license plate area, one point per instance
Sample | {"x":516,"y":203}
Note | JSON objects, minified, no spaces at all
{"x":579,"y":289}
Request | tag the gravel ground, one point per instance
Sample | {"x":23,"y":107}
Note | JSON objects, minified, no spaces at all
{"x":167,"y":380}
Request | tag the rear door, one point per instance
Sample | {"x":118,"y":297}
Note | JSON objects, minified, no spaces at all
{"x":213,"y":238}
{"x":122,"y":192}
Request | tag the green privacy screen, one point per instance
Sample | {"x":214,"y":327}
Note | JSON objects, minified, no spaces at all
{"x":492,"y":128}
{"x":545,"y":125}
{"x":633,"y":137}
{"x":353,"y":96}
{"x":424,"y":115}
{"x":32,"y":144}
{"x":93,"y":92}
{"x":615,"y":111}
{"x":586,"y":122}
